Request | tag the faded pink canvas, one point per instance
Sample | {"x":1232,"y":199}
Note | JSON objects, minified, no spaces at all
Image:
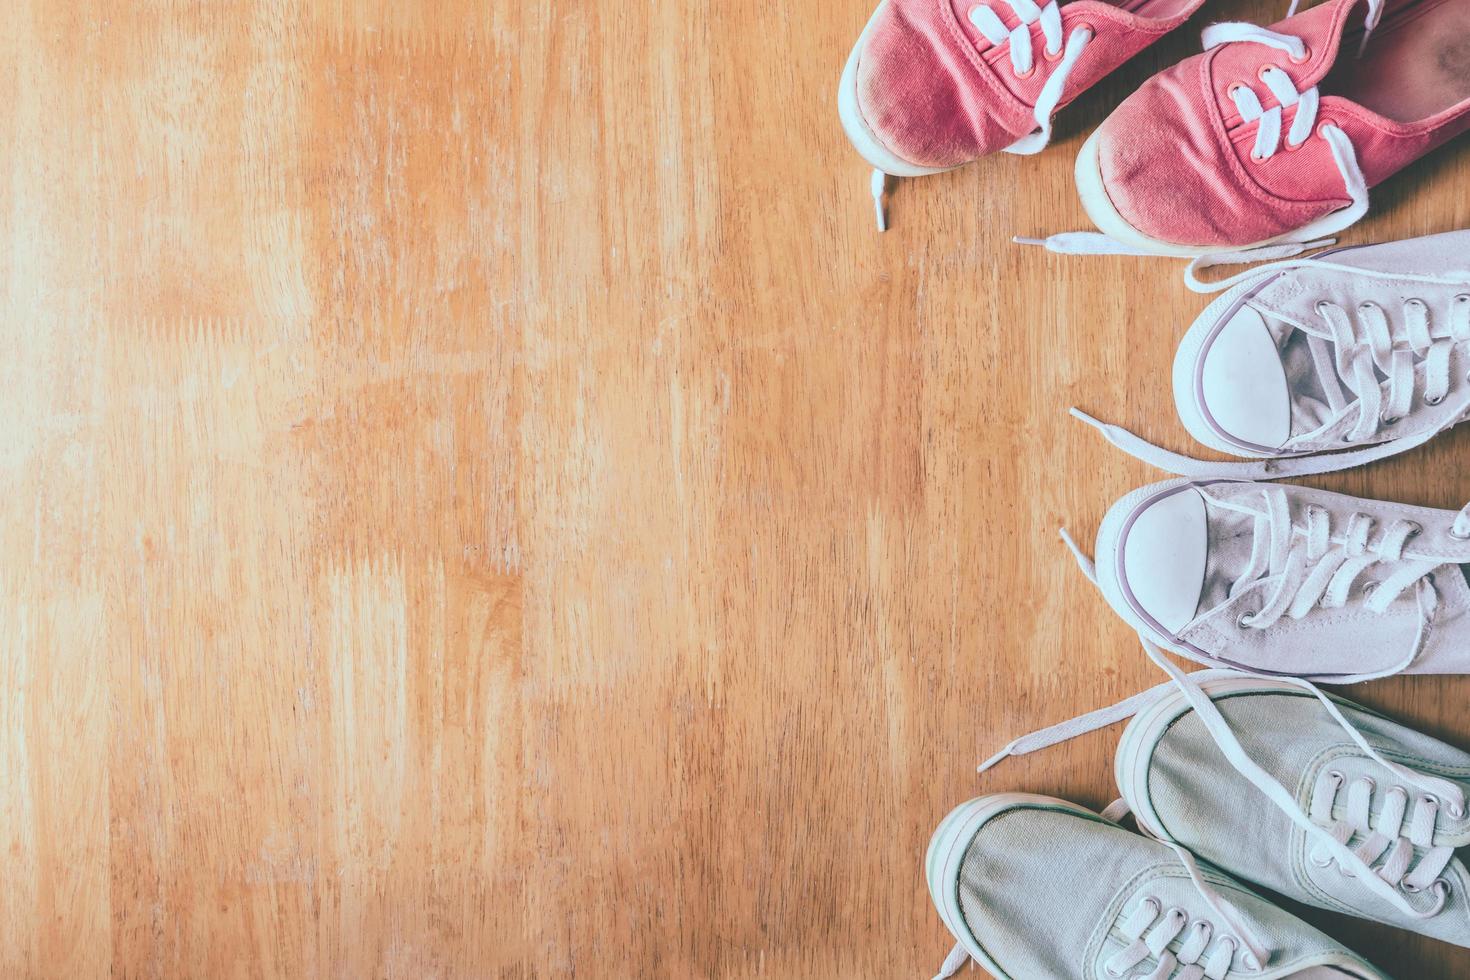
{"x":931,"y":91}
{"x":1179,"y":163}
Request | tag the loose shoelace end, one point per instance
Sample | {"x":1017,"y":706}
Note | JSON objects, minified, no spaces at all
{"x":878,"y":184}
{"x":1083,"y":562}
{"x":953,"y":963}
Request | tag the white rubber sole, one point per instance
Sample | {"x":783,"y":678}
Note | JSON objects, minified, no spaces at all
{"x":946,"y":854}
{"x":863,"y":139}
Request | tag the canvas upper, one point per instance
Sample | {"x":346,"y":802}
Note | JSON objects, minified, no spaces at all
{"x":1045,"y":890}
{"x":1290,"y":580}
{"x":1181,"y":163}
{"x":1178,"y":781}
{"x":933,"y":91}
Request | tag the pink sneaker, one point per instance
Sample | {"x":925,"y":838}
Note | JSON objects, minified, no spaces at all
{"x":933,"y":84}
{"x":1275,"y":135}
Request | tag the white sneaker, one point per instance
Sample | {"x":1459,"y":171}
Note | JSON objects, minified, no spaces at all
{"x":1367,"y":825}
{"x":1036,"y":888}
{"x":1288,"y":580}
{"x":1363,"y":349}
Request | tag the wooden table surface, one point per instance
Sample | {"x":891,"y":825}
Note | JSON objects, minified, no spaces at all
{"x":481,"y":500}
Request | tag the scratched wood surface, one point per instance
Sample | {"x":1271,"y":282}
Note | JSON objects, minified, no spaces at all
{"x":480,"y":499}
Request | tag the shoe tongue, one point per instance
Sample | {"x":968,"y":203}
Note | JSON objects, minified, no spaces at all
{"x":1310,"y":405}
{"x":1231,"y":535}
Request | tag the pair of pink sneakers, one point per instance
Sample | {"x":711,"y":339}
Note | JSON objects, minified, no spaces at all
{"x":1269,"y":138}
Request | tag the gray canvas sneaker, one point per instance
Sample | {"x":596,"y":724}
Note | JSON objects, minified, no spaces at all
{"x":1288,"y":580}
{"x":1312,"y":797}
{"x":1036,"y":888}
{"x":1325,"y":362}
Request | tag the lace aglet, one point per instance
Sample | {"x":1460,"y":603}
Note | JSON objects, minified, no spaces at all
{"x":996,"y":759}
{"x":1088,"y":566}
{"x":878,"y":184}
{"x":1023,"y":240}
{"x":1082,"y":416}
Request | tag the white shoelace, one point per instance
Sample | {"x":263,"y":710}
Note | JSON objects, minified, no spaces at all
{"x":1023,"y":60}
{"x":1023,"y":63}
{"x":1384,"y":842}
{"x":1268,"y":142}
{"x":1325,"y":844}
{"x":1152,"y":928}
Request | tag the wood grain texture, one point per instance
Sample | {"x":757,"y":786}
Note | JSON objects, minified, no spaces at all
{"x":481,"y":501}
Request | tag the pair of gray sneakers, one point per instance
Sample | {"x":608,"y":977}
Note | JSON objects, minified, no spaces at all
{"x":1267,"y":782}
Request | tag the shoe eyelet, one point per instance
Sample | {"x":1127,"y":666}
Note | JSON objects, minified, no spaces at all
{"x":1322,"y":128}
{"x":1458,"y":536}
{"x":1335,"y":775}
{"x":1028,"y":72}
{"x":1457,"y":812}
{"x":1415,"y":529}
{"x":1256,"y":157}
{"x":1321,"y":307}
{"x":1390,"y":419}
{"x":1369,"y":589}
{"x":1265,"y":70}
{"x":1408,"y":888}
{"x":1322,"y":863}
{"x":1235,"y":87}
{"x":1241,"y":620}
{"x":1306,"y":56}
{"x":1431,"y":402}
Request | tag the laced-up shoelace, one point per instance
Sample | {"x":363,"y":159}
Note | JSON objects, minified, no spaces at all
{"x":1268,"y":142}
{"x":1312,"y":570}
{"x":1385,"y":842}
{"x":1023,"y":62}
{"x":1441,"y":791}
{"x":1348,"y":351}
{"x":1151,"y":929}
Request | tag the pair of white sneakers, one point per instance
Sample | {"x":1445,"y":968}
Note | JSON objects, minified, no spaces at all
{"x":1306,"y":366}
{"x":1309,"y":366}
{"x":1267,"y":782}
